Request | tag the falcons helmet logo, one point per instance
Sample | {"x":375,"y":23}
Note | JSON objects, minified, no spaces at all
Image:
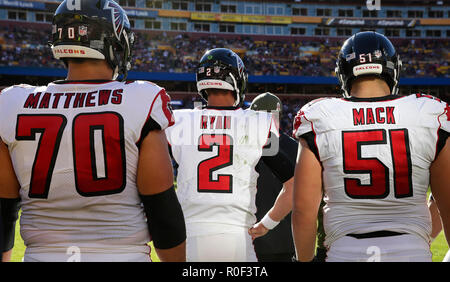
{"x":118,"y":18}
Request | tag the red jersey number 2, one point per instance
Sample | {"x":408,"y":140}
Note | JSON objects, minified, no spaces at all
{"x":206,"y":168}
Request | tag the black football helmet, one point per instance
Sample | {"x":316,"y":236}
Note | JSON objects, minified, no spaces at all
{"x":222,"y":68}
{"x":93,"y":29}
{"x":368,"y":54}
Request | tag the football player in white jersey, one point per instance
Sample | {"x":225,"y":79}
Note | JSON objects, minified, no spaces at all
{"x":216,"y":149}
{"x":375,"y":154}
{"x":87,"y":156}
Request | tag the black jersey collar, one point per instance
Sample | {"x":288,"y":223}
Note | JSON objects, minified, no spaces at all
{"x":229,"y":108}
{"x":98,"y":81}
{"x":373,"y":99}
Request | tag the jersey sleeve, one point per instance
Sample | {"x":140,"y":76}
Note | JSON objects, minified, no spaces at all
{"x":444,"y":130}
{"x":8,"y":111}
{"x":435,"y":115}
{"x":444,"y":119}
{"x":433,"y":112}
{"x":161,"y":111}
{"x":160,"y":115}
{"x":305,"y":124}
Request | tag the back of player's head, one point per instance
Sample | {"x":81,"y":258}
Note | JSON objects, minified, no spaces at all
{"x":222,"y":68}
{"x":87,"y":29}
{"x":267,"y":102}
{"x":368,"y":54}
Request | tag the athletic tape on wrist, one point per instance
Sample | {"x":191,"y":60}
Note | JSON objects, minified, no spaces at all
{"x":268,"y":222}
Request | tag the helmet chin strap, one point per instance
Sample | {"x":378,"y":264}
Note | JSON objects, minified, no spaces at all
{"x":115,"y":73}
{"x":343,"y":84}
{"x":116,"y":69}
{"x":238,"y":97}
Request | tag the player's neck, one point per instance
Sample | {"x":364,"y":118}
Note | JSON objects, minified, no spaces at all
{"x":89,"y":71}
{"x":370,"y":88}
{"x":220,"y":100}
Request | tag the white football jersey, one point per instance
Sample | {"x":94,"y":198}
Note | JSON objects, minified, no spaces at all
{"x":74,"y":147}
{"x":376,"y":154}
{"x":217,"y":151}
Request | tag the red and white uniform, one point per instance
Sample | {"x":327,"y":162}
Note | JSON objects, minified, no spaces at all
{"x":217,"y":151}
{"x":376,"y":155}
{"x":74,"y":147}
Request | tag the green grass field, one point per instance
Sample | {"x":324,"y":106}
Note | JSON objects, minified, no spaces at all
{"x":439,"y":248}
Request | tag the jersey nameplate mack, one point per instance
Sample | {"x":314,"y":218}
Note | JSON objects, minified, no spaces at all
{"x":380,"y":115}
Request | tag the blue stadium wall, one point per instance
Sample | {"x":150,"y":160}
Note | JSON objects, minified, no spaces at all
{"x":190,"y":77}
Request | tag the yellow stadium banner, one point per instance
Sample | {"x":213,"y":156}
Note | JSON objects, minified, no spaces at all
{"x":304,"y":19}
{"x":254,"y":19}
{"x":280,"y":20}
{"x":430,"y":21}
{"x":204,"y":16}
{"x":201,"y":16}
{"x":267,"y":19}
{"x":230,"y":18}
{"x":174,"y":13}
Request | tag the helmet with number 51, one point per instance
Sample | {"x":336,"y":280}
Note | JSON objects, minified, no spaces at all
{"x":368,"y":54}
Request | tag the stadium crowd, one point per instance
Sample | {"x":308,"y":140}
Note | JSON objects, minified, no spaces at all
{"x":162,"y":52}
{"x":179,"y":53}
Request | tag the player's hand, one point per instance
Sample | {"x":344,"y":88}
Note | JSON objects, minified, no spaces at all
{"x":258,"y":230}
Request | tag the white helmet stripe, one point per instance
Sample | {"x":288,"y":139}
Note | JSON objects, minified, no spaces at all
{"x":213,"y":83}
{"x":75,"y":51}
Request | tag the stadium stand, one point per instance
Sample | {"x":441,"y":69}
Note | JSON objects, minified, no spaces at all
{"x":288,"y":47}
{"x":26,"y":45}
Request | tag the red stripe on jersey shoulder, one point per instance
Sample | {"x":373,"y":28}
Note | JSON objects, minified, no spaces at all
{"x":165,"y":99}
{"x":161,"y":93}
{"x":447,"y":108}
{"x":447,"y":112}
{"x":315,"y":139}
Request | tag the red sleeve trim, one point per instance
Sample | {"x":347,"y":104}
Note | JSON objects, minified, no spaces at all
{"x":446,"y":110}
{"x":315,"y":139}
{"x":165,"y":99}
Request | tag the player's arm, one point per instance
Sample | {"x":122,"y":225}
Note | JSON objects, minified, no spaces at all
{"x":281,"y":208}
{"x":436,"y":223}
{"x":155,"y":183}
{"x":283,"y":204}
{"x":307,"y":198}
{"x":439,"y":171}
{"x":282,"y":165}
{"x":9,"y":203}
